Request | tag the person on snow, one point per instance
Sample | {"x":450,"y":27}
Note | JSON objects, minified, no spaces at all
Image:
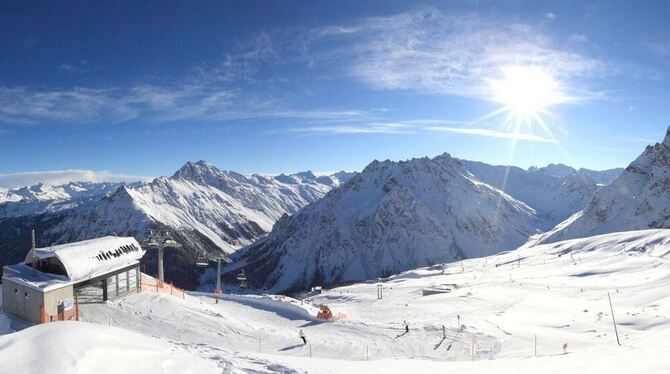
{"x":444,"y":332}
{"x":302,"y":336}
{"x":406,"y":326}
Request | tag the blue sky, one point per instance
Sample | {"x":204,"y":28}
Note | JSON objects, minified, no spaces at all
{"x":139,"y":88}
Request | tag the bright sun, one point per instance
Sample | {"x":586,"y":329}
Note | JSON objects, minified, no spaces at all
{"x":526,"y":91}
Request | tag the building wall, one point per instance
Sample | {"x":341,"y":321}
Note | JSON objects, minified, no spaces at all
{"x":24,"y":302}
{"x":55,"y":297}
{"x":21,"y":301}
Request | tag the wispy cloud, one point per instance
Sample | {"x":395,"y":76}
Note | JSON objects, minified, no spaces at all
{"x":373,"y":128}
{"x":425,"y":51}
{"x":56,"y":177}
{"x":75,"y":68}
{"x":152,"y":103}
{"x":661,"y":49}
{"x":433,"y":52}
{"x":419,"y":126}
{"x":490,"y":133}
{"x":214,"y":92}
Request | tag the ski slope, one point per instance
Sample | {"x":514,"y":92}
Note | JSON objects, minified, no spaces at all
{"x":73,"y":347}
{"x":556,"y":292}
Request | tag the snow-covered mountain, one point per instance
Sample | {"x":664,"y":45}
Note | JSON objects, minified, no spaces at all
{"x":44,"y":198}
{"x":391,"y":217}
{"x":601,"y":177}
{"x":555,"y":191}
{"x":638,"y":199}
{"x":209,"y":210}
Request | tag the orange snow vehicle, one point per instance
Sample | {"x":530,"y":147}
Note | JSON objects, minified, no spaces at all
{"x":324,"y":312}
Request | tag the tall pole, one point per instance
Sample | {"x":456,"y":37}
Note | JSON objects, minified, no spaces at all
{"x":161,"y":275}
{"x":32,"y":249}
{"x":218,"y":275}
{"x":613,"y":320}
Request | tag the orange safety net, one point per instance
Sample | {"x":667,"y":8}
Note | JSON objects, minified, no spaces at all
{"x":151,"y":284}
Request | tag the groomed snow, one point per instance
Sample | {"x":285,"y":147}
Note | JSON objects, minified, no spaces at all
{"x":557,"y":292}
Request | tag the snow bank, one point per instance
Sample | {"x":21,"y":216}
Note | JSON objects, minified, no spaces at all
{"x":76,"y":347}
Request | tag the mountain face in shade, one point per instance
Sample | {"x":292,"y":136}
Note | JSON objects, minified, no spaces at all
{"x":638,"y":199}
{"x":391,"y":217}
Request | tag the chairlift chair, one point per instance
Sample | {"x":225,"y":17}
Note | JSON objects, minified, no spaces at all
{"x":242,"y":276}
{"x":171,"y":243}
{"x":201,"y":261}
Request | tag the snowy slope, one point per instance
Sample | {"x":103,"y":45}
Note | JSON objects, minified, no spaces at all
{"x":391,"y":217}
{"x":555,"y":292}
{"x":555,"y":191}
{"x":74,"y":347}
{"x":638,"y":199}
{"x":45,"y":198}
{"x":601,"y":177}
{"x":208,"y":209}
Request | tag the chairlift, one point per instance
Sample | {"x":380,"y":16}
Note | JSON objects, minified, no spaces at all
{"x":242,"y":276}
{"x":201,"y":261}
{"x":243,"y":286}
{"x":171,"y":243}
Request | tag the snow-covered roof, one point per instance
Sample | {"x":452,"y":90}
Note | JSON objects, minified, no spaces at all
{"x":91,"y":258}
{"x":25,"y":275}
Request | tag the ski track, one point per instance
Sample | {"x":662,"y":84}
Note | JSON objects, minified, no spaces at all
{"x":502,"y":309}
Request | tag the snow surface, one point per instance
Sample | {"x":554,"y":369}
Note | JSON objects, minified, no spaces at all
{"x":636,"y":200}
{"x":555,"y":292}
{"x":76,"y":347}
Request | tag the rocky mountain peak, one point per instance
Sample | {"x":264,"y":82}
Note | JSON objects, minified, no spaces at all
{"x":196,"y":171}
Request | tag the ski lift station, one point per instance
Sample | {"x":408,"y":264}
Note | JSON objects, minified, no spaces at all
{"x":52,"y":280}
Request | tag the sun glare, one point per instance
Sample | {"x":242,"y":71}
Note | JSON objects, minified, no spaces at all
{"x":526,"y":90}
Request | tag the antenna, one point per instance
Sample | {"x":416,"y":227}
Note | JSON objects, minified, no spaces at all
{"x":32,"y":249}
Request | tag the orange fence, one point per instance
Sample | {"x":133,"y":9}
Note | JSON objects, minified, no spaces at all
{"x":151,"y":284}
{"x":63,"y":315}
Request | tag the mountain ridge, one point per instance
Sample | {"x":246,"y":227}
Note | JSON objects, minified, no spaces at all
{"x":636,"y":200}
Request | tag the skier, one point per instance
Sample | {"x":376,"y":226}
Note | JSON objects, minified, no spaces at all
{"x":444,"y":332}
{"x":406,"y":326}
{"x":302,"y":336}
